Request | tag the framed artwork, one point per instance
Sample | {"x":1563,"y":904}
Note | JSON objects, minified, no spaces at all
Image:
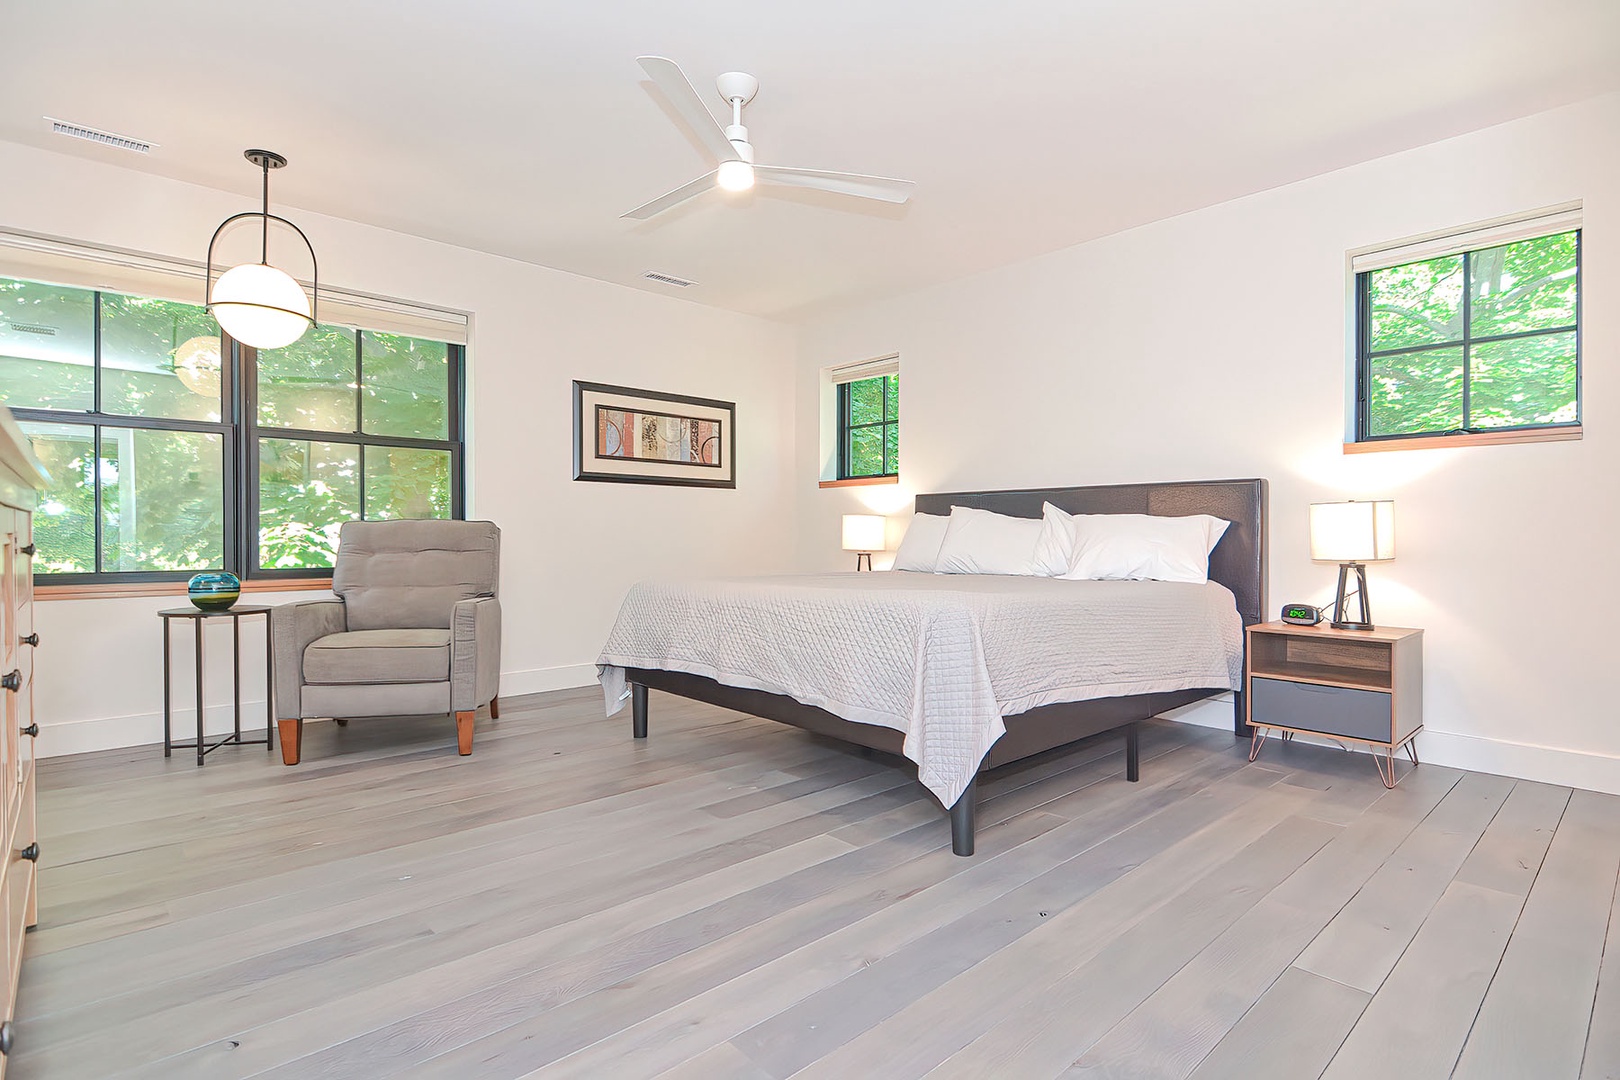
{"x":627,"y":436}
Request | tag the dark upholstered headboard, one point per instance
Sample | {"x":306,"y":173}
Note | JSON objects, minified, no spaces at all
{"x":1238,"y":561}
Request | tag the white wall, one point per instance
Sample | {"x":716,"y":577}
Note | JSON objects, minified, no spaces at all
{"x":1213,"y":345}
{"x":570,"y":549}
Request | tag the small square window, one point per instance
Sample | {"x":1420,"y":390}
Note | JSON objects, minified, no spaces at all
{"x":1484,"y":340}
{"x":869,"y":428}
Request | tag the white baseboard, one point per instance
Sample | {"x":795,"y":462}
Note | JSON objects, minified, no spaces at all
{"x":540,"y":680}
{"x":58,"y":738}
{"x":1523,"y":761}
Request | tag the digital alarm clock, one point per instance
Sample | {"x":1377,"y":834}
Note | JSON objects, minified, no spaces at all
{"x":1301,"y":614}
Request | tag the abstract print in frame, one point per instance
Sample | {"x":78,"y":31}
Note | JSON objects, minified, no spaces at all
{"x":628,"y":436}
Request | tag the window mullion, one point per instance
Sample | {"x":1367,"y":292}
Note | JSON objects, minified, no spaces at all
{"x":95,"y":359}
{"x":1468,"y":328}
{"x":95,"y":488}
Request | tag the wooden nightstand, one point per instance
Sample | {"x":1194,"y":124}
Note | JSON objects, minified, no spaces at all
{"x":1363,"y":686}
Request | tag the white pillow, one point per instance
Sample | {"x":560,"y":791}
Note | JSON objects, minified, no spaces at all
{"x":1055,"y":549}
{"x":1135,"y":547}
{"x":919,"y":550}
{"x":982,"y":542}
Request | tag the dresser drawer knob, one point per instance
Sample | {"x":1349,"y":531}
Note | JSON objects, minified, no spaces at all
{"x":32,"y":730}
{"x":5,"y":1037}
{"x":31,"y":639}
{"x":31,"y":852}
{"x":12,"y":680}
{"x":29,"y":550}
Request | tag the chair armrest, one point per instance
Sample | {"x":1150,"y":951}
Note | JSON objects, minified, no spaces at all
{"x":475,"y":652}
{"x":295,"y":626}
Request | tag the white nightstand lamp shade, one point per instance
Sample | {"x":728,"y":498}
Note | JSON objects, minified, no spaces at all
{"x":865,"y":533}
{"x":1351,"y":534}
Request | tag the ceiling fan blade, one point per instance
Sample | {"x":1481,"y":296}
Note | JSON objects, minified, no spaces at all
{"x":668,"y":77}
{"x":674,"y":198}
{"x":866,"y":187}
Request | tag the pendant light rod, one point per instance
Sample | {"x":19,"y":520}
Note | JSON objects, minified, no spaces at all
{"x":264,"y":234}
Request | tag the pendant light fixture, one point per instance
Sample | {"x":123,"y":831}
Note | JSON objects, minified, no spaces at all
{"x":256,"y":303}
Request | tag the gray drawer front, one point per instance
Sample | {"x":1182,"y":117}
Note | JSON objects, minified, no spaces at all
{"x":1357,"y":714}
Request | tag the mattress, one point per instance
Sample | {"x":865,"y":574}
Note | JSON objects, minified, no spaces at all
{"x":940,"y":658}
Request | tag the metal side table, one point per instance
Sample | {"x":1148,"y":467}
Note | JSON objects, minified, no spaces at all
{"x":198,"y":617}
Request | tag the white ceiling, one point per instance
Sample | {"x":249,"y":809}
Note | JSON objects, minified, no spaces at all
{"x":526,"y":129}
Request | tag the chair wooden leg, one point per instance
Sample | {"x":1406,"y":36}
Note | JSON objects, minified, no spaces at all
{"x":464,"y":732}
{"x":292,"y":740}
{"x":495,"y":708}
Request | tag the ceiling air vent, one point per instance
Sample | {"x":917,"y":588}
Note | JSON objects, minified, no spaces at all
{"x":653,"y":275}
{"x":105,"y":138}
{"x":33,"y":328}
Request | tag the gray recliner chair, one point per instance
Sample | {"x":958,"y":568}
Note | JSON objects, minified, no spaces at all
{"x":415,"y":628}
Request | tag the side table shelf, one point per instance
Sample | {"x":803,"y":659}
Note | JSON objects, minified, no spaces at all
{"x":1362,"y":686}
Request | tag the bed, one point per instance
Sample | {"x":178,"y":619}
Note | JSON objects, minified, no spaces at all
{"x":865,"y":623}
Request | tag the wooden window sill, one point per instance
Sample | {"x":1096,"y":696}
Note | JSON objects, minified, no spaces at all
{"x":113,"y":590}
{"x":860,"y":481}
{"x":1469,"y":438}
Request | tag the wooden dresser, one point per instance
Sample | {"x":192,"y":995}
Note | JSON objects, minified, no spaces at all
{"x":20,"y":479}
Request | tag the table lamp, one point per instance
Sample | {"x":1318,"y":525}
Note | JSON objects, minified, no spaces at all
{"x":864,"y":533}
{"x":1351,"y":534}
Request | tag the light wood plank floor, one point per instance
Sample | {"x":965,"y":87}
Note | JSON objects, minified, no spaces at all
{"x":738,"y":899}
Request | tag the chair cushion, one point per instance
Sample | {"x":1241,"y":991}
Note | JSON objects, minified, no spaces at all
{"x":379,"y":656}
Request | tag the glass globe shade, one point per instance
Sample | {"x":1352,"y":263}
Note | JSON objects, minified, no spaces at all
{"x":735,"y":175}
{"x":260,"y":306}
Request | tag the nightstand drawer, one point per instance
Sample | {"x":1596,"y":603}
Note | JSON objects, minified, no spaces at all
{"x":1332,"y":710}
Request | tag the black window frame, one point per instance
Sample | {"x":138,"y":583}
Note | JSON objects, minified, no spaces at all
{"x":240,"y":433}
{"x":1366,"y":356}
{"x":847,"y":428}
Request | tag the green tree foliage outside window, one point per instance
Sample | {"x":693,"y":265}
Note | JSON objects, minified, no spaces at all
{"x":1479,"y":341}
{"x":365,"y":389}
{"x":869,"y":427}
{"x":127,"y":403}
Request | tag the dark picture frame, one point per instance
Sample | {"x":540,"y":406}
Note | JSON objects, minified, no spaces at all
{"x":691,"y":440}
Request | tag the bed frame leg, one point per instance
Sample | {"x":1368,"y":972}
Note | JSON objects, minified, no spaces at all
{"x":638,"y":710}
{"x":1133,"y":746}
{"x":1240,"y":722}
{"x":962,"y":814}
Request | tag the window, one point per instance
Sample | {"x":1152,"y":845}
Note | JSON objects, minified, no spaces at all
{"x":172,"y":449}
{"x":869,"y":427}
{"x":1482,"y":339}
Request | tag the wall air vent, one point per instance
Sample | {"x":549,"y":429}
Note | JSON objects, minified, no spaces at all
{"x":105,"y":138}
{"x":33,"y":328}
{"x":653,"y":275}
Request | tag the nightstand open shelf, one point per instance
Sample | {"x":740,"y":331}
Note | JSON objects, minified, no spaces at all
{"x":1364,"y":686}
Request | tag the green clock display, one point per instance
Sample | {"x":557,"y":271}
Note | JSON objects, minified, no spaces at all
{"x":1301,"y":614}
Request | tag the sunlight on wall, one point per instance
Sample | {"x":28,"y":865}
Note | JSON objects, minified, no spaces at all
{"x":1367,"y":476}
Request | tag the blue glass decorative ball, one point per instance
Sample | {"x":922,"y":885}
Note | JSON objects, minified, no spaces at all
{"x":215,"y":590}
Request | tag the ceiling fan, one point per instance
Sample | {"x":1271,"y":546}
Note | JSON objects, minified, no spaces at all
{"x":734,"y":154}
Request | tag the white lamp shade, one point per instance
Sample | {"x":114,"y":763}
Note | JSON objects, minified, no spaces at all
{"x":864,"y":532}
{"x":735,"y":176}
{"x":1345,"y":532}
{"x":260,"y":306}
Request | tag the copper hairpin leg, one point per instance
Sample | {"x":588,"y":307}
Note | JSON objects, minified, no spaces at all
{"x":1385,"y":762}
{"x":1258,"y":738}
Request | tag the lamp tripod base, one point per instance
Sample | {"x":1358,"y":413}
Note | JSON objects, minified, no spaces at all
{"x":1341,"y":602}
{"x":863,"y":561}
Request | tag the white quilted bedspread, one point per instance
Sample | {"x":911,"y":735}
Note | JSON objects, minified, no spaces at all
{"x":941,"y":658}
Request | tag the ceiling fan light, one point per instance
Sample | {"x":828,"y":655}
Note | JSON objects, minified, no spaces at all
{"x":735,"y":176}
{"x":260,"y":306}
